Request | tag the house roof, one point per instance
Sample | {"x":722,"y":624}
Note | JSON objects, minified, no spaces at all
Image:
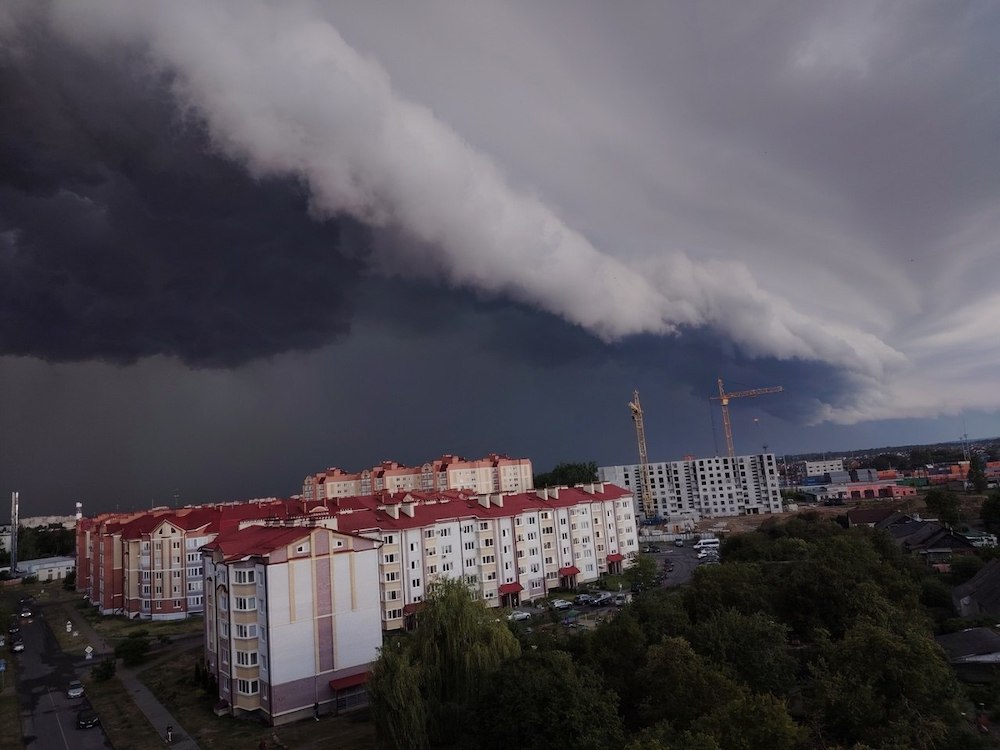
{"x":970,"y":642}
{"x":257,"y":540}
{"x":983,"y":587}
{"x":922,"y":535}
{"x":510,"y":588}
{"x":868,"y":516}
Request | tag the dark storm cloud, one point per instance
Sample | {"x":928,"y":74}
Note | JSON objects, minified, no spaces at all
{"x":123,"y":234}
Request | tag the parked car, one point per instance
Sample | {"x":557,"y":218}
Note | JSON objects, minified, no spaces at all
{"x":560,"y":604}
{"x":601,"y":600}
{"x":678,"y":542}
{"x":87,"y":718}
{"x":17,"y":645}
{"x":621,"y":600}
{"x":650,"y":548}
{"x":75,"y":689}
{"x":582,"y":599}
{"x":519,"y":615}
{"x":26,"y":613}
{"x":708,"y":553}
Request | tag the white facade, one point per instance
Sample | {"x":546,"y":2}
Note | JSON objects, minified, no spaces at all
{"x":289,"y":613}
{"x":821,"y":468}
{"x":686,"y":491}
{"x":511,"y":548}
{"x":47,"y":568}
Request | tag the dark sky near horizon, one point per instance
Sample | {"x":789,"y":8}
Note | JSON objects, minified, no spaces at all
{"x":242,"y":242}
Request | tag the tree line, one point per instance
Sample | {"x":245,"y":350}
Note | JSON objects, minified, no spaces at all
{"x":808,"y":635}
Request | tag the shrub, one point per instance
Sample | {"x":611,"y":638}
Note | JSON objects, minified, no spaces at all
{"x":104,"y":671}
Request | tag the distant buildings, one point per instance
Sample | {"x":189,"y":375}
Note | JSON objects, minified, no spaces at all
{"x":494,"y":473}
{"x":693,"y":489}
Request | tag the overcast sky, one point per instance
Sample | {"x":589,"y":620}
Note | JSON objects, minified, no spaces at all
{"x":241,"y":241}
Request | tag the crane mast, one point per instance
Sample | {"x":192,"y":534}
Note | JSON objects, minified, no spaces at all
{"x":724,"y":397}
{"x":640,"y":433}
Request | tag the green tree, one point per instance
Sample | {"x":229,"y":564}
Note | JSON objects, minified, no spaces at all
{"x":568,"y":474}
{"x":884,"y":687}
{"x":398,"y":708}
{"x":617,"y":650}
{"x":642,"y":572}
{"x":680,"y":685}
{"x":990,"y":512}
{"x":944,"y":505}
{"x":752,"y":648}
{"x":133,"y":649}
{"x":457,"y":645}
{"x":751,"y":722}
{"x":543,"y":700}
{"x":977,"y":474}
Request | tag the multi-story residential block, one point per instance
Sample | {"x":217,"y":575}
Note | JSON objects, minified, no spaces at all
{"x":692,"y":489}
{"x":146,"y":564}
{"x":292,"y":619}
{"x":494,"y":473}
{"x":513,"y":546}
{"x":510,"y":547}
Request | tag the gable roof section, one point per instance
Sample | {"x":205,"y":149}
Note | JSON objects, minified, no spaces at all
{"x":983,"y":588}
{"x":970,"y":642}
{"x":868,"y":516}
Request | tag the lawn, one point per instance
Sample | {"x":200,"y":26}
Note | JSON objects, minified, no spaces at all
{"x":172,"y":680}
{"x":127,"y":727}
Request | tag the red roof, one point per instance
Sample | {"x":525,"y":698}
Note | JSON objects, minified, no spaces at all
{"x":616,"y":557}
{"x":569,"y":570}
{"x":257,"y":540}
{"x":342,"y":683}
{"x":510,"y":588}
{"x":412,"y":609}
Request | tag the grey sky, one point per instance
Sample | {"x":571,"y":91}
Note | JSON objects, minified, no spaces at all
{"x":391,"y":232}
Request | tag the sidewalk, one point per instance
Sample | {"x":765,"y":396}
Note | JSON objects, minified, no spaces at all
{"x":157,"y":714}
{"x":144,"y":700}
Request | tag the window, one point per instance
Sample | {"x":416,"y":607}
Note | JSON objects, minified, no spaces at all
{"x":246,"y":603}
{"x":415,"y":583}
{"x":223,"y":629}
{"x":246,"y":631}
{"x":246,"y":576}
{"x":392,"y":576}
{"x":389,"y":559}
{"x":248,"y":687}
{"x":246,"y":658}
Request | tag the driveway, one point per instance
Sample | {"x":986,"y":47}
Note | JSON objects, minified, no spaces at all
{"x":48,"y":717}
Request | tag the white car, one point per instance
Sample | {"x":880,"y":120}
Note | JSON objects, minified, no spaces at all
{"x":17,"y":646}
{"x":560,"y":604}
{"x":75,"y":689}
{"x":708,"y":553}
{"x":519,"y":616}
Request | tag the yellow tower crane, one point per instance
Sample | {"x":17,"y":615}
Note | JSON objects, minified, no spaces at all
{"x":724,"y":398}
{"x":640,"y":434}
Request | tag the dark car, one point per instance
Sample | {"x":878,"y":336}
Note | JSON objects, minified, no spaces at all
{"x":86,"y":719}
{"x":601,"y":600}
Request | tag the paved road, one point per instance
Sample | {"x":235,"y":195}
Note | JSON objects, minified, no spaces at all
{"x":48,"y":717}
{"x":685,"y":560}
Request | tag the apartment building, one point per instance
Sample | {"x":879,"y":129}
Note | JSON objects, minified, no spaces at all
{"x":510,"y":547}
{"x":821,"y":468}
{"x":515,"y":546}
{"x":292,"y":619}
{"x":145,"y":564}
{"x":689,"y":490}
{"x":494,"y":473}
